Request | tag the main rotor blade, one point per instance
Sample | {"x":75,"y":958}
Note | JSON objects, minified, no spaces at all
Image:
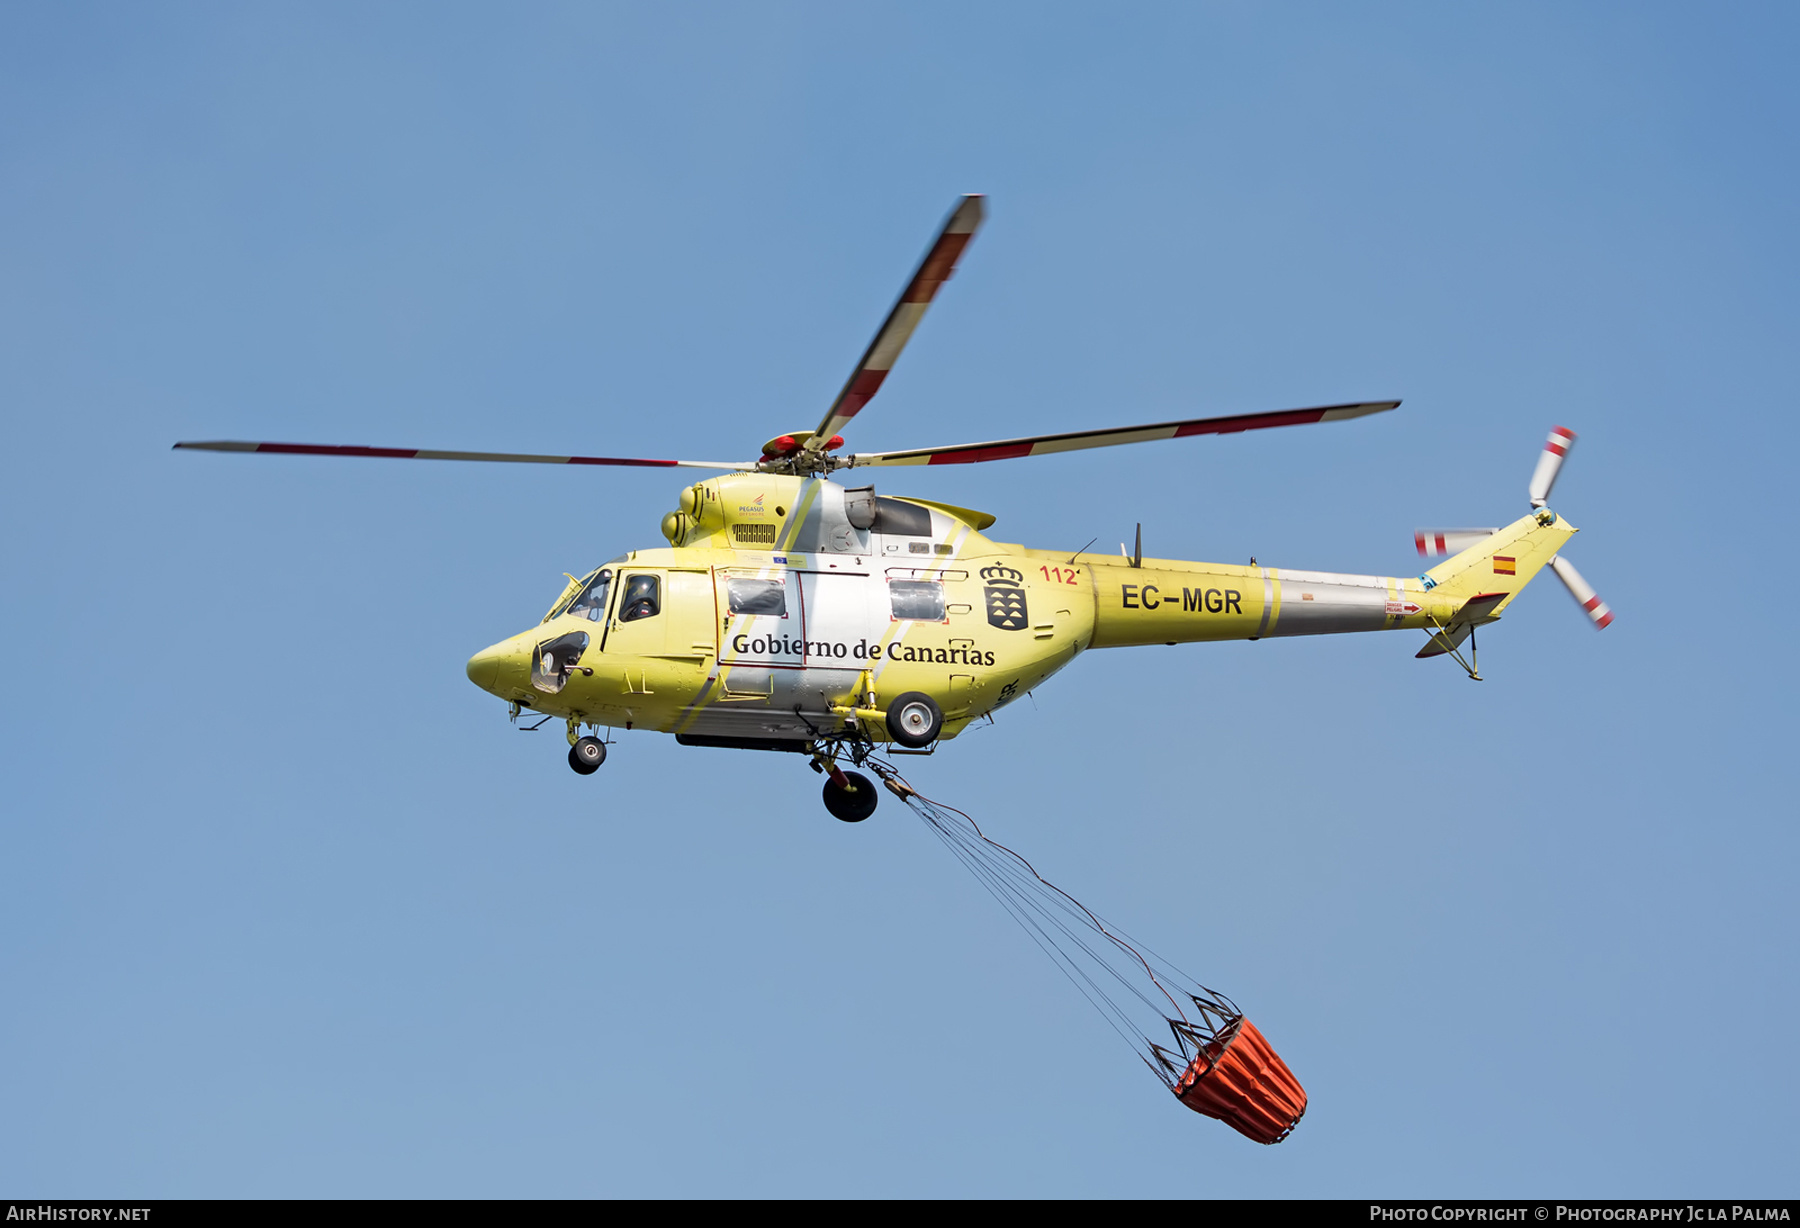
{"x":511,"y":458}
{"x":879,"y":359}
{"x":1039,"y":445}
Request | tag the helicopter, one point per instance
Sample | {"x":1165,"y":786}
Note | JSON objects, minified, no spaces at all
{"x":792,"y":612}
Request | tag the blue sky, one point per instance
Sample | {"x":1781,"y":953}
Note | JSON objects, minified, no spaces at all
{"x":292,"y":910}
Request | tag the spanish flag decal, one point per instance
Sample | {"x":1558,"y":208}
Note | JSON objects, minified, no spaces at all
{"x":1504,"y":566}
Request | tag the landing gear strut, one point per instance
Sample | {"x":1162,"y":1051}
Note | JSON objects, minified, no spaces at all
{"x":849,"y":796}
{"x":585,"y":754}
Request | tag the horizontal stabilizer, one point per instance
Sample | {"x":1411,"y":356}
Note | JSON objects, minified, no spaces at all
{"x":1476,"y":611}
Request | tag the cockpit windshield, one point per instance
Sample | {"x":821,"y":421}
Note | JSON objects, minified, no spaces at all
{"x":590,"y":602}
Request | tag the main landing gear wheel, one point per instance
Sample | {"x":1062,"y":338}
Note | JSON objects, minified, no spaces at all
{"x":915,"y":720}
{"x":587,"y":755}
{"x":848,"y":806}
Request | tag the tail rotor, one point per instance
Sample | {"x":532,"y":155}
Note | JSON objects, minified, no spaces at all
{"x":1543,"y":480}
{"x":1445,"y":542}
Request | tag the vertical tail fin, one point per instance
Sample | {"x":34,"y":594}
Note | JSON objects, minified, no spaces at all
{"x":1504,"y":562}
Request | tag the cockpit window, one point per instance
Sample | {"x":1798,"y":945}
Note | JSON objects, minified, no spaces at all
{"x":753,"y":596}
{"x":591,"y":603}
{"x":642,"y":598}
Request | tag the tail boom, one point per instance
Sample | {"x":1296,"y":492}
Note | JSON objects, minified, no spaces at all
{"x":1170,"y":602}
{"x":1167,"y":601}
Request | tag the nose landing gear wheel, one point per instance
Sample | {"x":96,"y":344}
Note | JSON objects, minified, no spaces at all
{"x":914,"y":720}
{"x":848,"y":806}
{"x":587,"y":755}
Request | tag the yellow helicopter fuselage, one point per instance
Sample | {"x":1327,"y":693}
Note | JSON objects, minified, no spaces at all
{"x":787,"y":609}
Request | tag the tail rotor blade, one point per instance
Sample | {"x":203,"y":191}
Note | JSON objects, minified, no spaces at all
{"x":1550,"y":462}
{"x":1430,"y":542}
{"x":1583,"y":592}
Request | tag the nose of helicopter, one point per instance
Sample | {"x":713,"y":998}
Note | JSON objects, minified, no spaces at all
{"x":489,"y":668}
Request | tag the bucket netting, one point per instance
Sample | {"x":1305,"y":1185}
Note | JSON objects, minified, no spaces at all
{"x":1193,"y":1038}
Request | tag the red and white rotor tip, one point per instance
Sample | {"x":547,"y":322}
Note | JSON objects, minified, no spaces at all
{"x":1430,"y":542}
{"x":1583,"y":592}
{"x":1550,"y":462}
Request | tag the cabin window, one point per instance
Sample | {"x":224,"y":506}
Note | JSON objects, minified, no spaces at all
{"x":591,"y":604}
{"x":922,"y":600}
{"x":748,"y":595}
{"x":642,"y":598}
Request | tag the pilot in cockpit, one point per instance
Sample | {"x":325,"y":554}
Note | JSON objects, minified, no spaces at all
{"x":640,"y":599}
